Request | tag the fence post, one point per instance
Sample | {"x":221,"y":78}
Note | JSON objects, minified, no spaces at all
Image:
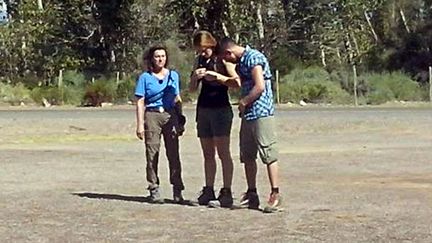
{"x":430,"y":84}
{"x":117,"y":78}
{"x":355,"y":85}
{"x":60,"y":78}
{"x":277,"y":88}
{"x":60,"y":85}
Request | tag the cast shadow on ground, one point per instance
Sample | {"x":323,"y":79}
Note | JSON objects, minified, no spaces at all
{"x":139,"y":199}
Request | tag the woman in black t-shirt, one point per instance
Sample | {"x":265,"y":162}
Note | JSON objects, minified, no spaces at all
{"x":214,"y":116}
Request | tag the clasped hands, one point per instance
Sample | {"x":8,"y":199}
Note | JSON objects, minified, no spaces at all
{"x":202,"y":73}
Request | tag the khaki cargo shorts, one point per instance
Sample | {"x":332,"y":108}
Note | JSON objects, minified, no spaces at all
{"x":257,"y":136}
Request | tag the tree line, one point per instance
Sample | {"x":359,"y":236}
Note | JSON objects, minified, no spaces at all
{"x":100,"y":37}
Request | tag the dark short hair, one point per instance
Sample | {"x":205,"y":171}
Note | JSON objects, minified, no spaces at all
{"x":224,"y":44}
{"x":148,"y":55}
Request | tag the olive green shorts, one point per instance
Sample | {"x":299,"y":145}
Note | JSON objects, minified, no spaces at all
{"x":257,"y":136}
{"x":214,"y":122}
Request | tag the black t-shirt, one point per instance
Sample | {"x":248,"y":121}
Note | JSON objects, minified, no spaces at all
{"x":213,"y":94}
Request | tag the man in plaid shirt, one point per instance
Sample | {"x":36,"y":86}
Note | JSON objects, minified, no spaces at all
{"x":256,"y":110}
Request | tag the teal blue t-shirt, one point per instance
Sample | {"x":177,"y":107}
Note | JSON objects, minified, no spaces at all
{"x":158,"y":93}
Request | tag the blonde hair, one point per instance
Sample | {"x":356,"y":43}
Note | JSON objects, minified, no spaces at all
{"x":204,"y":39}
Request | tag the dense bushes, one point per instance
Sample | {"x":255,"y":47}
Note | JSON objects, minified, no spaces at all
{"x":312,"y":85}
{"x":125,"y":90}
{"x":99,"y":92}
{"x":390,"y":87}
{"x":74,"y":91}
{"x":14,"y":94}
{"x":316,"y":85}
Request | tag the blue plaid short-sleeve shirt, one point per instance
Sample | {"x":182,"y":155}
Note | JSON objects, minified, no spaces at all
{"x":263,"y":106}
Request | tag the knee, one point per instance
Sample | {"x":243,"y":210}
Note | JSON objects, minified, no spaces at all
{"x":210,"y":160}
{"x":225,"y":155}
{"x":227,"y":164}
{"x":226,"y":159}
{"x":152,"y":146}
{"x":209,"y":155}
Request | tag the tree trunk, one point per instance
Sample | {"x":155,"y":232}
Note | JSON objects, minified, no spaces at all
{"x":323,"y":57}
{"x":236,"y":37}
{"x":260,"y":24}
{"x":225,"y":29}
{"x":285,"y":5}
{"x":196,"y":24}
{"x":40,"y":4}
{"x":348,"y":47}
{"x":356,"y":46}
{"x":404,"y":20}
{"x":371,"y":26}
{"x":339,"y":55}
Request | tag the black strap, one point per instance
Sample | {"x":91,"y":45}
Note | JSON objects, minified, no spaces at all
{"x":152,"y":99}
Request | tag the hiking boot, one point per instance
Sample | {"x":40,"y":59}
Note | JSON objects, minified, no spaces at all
{"x":250,"y":199}
{"x":224,"y":200}
{"x":274,"y":203}
{"x":177,"y":195}
{"x":155,"y":196}
{"x":207,"y":195}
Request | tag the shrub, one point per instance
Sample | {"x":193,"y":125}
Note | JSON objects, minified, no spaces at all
{"x":30,"y":80}
{"x":73,"y":78}
{"x":72,"y":95}
{"x":345,"y":78}
{"x":50,"y":93}
{"x":312,"y":84}
{"x":100,"y":91}
{"x":14,"y":95}
{"x":424,"y":92}
{"x":125,"y":90}
{"x":67,"y":95}
{"x":390,"y":87}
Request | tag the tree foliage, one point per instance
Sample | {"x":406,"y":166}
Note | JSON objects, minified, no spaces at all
{"x":106,"y":36}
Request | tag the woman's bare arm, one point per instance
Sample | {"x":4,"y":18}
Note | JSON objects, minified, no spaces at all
{"x":231,"y":80}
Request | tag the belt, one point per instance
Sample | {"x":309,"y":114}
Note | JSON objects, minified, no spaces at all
{"x":159,"y":109}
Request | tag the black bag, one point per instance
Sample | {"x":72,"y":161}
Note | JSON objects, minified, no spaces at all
{"x":180,"y":118}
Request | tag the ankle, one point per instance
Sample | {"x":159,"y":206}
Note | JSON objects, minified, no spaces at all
{"x":251,"y":190}
{"x":209,"y":188}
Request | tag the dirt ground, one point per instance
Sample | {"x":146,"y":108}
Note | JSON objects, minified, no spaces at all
{"x":347,"y":175}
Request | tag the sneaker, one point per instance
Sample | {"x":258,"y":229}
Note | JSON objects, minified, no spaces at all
{"x":177,"y":195}
{"x":155,"y":196}
{"x":250,"y":199}
{"x":207,"y":195}
{"x":224,"y":200}
{"x":274,"y":203}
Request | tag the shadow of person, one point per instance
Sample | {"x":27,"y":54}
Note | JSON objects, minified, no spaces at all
{"x":140,"y":199}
